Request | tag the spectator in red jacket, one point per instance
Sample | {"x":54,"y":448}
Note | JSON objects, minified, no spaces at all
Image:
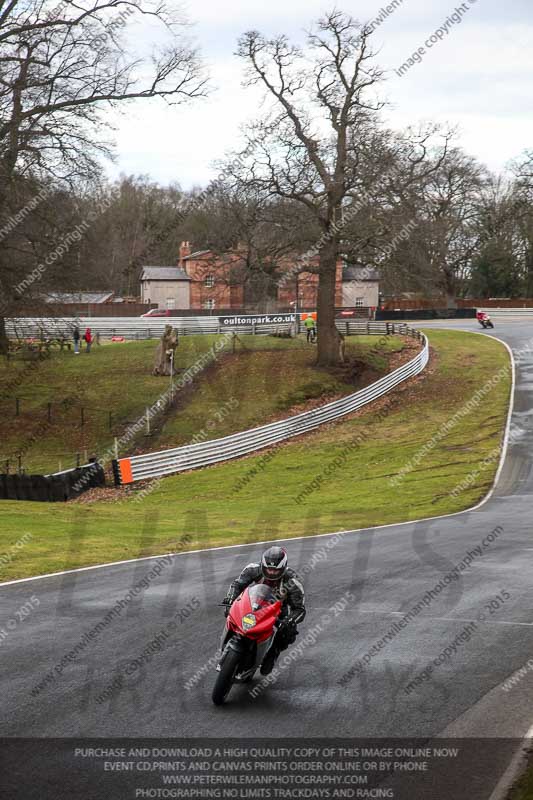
{"x":88,"y":339}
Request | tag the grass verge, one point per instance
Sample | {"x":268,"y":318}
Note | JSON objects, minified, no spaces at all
{"x":257,"y":498}
{"x":523,"y":789}
{"x":114,"y":385}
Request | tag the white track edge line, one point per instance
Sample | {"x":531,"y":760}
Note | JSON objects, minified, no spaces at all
{"x":318,"y":535}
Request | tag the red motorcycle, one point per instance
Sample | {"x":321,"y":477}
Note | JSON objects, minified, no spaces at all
{"x":248,"y":633}
{"x":484,"y":319}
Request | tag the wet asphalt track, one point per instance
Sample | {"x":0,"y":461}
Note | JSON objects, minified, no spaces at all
{"x":388,"y":571}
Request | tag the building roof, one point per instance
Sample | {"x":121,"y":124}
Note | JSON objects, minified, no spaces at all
{"x":164,"y":274}
{"x":360,"y":274}
{"x":198,"y":254}
{"x":78,"y":297}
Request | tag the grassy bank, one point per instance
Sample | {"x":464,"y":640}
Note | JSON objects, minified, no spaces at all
{"x":523,"y":790}
{"x":272,"y":497}
{"x":95,"y":397}
{"x":113,"y":379}
{"x":270,"y":378}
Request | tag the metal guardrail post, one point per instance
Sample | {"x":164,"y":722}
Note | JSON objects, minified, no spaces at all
{"x":116,"y":472}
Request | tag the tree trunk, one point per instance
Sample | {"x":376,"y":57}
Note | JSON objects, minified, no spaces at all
{"x":4,"y":344}
{"x":329,"y":354}
{"x":450,"y":289}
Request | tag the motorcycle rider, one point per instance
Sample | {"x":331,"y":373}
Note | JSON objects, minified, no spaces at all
{"x":286,"y":586}
{"x":484,"y":319}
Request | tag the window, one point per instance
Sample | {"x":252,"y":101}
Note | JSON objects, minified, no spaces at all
{"x":209,"y":281}
{"x":209,"y":305}
{"x":171,"y":302}
{"x":359,"y":302}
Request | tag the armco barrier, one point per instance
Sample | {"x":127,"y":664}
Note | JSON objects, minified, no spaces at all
{"x":428,"y":313}
{"x":135,"y":328}
{"x":507,"y":312}
{"x":55,"y":488}
{"x":180,"y":459}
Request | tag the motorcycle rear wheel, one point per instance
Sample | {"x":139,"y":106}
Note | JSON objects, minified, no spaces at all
{"x":225,"y":677}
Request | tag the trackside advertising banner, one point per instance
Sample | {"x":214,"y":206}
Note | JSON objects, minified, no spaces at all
{"x":256,"y":319}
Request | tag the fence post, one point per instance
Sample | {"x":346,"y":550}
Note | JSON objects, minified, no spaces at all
{"x":17,"y":406}
{"x":147,"y":422}
{"x":49,"y":412}
{"x":7,"y":466}
{"x":82,"y":416}
{"x":19,"y":458}
{"x":116,"y":448}
{"x":77,"y":459}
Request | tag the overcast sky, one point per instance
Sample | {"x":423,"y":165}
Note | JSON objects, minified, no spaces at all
{"x":479,"y":77}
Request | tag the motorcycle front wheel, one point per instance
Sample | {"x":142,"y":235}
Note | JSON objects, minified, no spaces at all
{"x":225,"y":677}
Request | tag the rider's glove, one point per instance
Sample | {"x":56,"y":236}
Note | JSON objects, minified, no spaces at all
{"x":229,"y":599}
{"x":291,"y":631}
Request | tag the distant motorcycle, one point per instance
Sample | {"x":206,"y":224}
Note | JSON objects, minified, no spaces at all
{"x":249,"y":631}
{"x":484,"y":320}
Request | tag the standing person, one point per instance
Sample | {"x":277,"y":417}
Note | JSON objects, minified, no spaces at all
{"x":76,"y":338}
{"x":310,"y":327}
{"x":88,"y":339}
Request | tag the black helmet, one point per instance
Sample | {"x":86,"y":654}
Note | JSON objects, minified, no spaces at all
{"x":274,"y":563}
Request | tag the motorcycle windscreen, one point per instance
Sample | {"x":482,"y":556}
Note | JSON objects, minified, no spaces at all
{"x":255,"y":612}
{"x":261,"y":596}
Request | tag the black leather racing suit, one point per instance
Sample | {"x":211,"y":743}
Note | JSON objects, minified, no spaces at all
{"x":289,"y":590}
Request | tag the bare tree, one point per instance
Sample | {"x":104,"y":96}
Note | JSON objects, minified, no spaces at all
{"x":323,"y":103}
{"x":259,"y":236}
{"x":435,"y":193}
{"x":523,"y":208}
{"x":61,"y":69}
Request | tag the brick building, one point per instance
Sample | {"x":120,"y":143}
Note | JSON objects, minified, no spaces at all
{"x":216,"y":281}
{"x":207,"y":281}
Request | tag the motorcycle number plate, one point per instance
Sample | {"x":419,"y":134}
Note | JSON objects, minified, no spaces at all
{"x":248,"y":621}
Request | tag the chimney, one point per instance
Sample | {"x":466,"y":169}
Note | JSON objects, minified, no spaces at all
{"x":185,"y":250}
